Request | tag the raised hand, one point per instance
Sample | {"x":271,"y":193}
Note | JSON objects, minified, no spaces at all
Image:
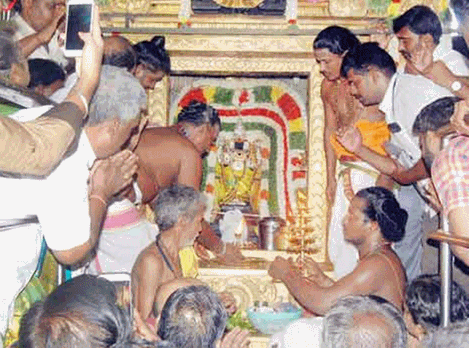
{"x":350,"y":138}
{"x":111,"y":175}
{"x":89,"y":64}
{"x":421,"y":60}
{"x":279,"y":267}
{"x":309,"y":265}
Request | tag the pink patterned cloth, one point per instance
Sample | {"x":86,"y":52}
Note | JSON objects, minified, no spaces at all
{"x":450,"y":174}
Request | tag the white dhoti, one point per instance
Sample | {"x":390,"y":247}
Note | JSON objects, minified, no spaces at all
{"x":125,"y":234}
{"x":343,"y":255}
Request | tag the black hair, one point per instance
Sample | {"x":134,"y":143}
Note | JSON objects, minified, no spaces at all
{"x":18,"y":7}
{"x":362,"y":57}
{"x":153,"y":54}
{"x":198,"y":113}
{"x":421,"y":20}
{"x":193,"y":317}
{"x":81,"y":313}
{"x":423,"y":300}
{"x":337,"y":40}
{"x":44,"y":72}
{"x":383,"y":208}
{"x":435,"y":115}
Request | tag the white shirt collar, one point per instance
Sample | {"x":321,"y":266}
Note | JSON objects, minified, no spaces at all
{"x":386,"y":104}
{"x":443,"y":48}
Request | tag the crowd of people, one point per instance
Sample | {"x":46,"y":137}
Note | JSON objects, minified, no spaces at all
{"x":78,"y":171}
{"x":388,"y":168}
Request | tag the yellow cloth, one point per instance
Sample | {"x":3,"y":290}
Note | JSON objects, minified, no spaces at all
{"x":374,"y":135}
{"x":189,"y":262}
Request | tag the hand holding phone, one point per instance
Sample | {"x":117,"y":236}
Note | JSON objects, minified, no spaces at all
{"x":79,"y":19}
{"x":88,"y":66}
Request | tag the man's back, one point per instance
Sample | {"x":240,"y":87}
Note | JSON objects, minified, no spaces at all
{"x":166,"y":158}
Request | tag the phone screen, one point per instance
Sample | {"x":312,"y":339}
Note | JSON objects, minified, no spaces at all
{"x":79,"y":20}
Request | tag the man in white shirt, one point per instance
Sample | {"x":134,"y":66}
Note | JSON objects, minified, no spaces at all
{"x":419,"y":31}
{"x":372,"y":75}
{"x":38,"y":24}
{"x":67,"y":207}
{"x":429,"y":54}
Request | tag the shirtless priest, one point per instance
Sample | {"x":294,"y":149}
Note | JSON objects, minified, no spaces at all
{"x":373,"y":222}
{"x":179,"y":212}
{"x":167,"y":156}
{"x":346,"y":174}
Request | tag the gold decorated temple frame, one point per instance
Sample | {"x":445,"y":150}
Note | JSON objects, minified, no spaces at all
{"x":238,"y":45}
{"x":242,"y":46}
{"x":244,"y":55}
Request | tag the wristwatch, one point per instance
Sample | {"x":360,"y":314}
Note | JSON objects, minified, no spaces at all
{"x":456,"y":86}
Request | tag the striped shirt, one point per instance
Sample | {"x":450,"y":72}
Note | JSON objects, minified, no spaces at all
{"x":450,"y":174}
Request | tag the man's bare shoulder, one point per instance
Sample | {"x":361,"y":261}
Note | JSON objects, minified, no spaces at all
{"x":379,"y":265}
{"x":164,"y":138}
{"x":148,"y":262}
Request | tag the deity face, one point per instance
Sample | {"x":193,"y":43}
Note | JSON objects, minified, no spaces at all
{"x":329,"y":63}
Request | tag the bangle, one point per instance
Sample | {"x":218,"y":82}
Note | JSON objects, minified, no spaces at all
{"x":99,"y":198}
{"x":84,"y":101}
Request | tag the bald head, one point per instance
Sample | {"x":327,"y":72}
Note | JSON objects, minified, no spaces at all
{"x":118,"y":51}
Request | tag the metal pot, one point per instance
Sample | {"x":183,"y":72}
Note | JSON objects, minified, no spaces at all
{"x":269,"y":227}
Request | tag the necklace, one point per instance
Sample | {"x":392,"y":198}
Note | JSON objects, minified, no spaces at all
{"x":166,"y":258}
{"x":344,"y":104}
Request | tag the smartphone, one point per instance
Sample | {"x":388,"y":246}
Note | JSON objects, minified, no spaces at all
{"x":79,"y":19}
{"x":122,"y":282}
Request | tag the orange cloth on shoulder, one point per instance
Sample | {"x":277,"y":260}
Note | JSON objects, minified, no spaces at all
{"x":374,"y":135}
